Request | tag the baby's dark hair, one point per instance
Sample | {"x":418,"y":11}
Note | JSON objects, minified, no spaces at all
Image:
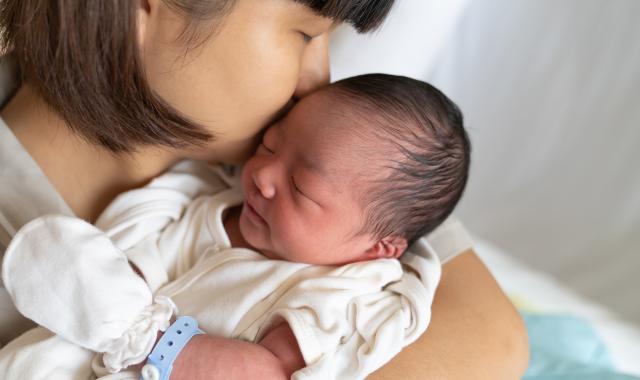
{"x":419,"y":136}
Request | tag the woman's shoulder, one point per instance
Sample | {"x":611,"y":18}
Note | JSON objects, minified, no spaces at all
{"x":26,"y":192}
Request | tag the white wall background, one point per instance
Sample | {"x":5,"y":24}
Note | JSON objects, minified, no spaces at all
{"x":551,"y":94}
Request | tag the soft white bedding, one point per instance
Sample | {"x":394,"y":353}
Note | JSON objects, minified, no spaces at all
{"x":536,"y":291}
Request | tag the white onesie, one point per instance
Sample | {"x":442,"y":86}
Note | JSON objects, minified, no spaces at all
{"x":75,"y":279}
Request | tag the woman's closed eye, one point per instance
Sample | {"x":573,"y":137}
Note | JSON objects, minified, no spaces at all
{"x":262,"y":147}
{"x":305,"y":37}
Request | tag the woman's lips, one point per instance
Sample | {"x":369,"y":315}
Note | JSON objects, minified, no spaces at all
{"x":253,"y":214}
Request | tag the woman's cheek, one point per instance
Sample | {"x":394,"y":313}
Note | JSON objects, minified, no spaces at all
{"x":275,"y":79}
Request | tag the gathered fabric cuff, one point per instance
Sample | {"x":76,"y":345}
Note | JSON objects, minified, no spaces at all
{"x":136,"y":343}
{"x":69,"y":277}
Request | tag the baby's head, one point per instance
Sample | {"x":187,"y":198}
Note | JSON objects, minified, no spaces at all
{"x":355,"y":171}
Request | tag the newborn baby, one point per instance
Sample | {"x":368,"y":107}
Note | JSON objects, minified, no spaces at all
{"x":357,"y":171}
{"x":297,"y":256}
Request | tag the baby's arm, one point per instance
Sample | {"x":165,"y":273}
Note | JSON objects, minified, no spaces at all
{"x":283,"y":344}
{"x":276,"y":356}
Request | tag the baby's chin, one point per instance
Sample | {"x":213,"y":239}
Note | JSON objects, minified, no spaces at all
{"x":254,"y":244}
{"x":269,"y":254}
{"x":263,"y":251}
{"x":248,"y":235}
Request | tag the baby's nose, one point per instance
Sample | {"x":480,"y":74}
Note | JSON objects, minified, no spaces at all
{"x":264,"y":185}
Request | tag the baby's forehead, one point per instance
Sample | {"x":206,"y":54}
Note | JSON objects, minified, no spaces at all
{"x":336,"y":118}
{"x":336,"y":131}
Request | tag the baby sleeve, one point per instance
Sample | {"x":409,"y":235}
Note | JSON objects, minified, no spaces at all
{"x":67,"y":276}
{"x":351,"y":322}
{"x":135,"y":220}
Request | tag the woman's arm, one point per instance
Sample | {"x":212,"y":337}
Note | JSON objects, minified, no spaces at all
{"x":475,"y":332}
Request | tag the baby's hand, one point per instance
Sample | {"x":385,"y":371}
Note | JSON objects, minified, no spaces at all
{"x":283,"y":344}
{"x":68,"y":276}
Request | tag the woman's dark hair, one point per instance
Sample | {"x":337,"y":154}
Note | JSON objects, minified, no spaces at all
{"x":419,"y":137}
{"x":82,"y":58}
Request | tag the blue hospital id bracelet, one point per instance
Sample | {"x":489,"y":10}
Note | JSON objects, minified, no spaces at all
{"x":160,"y":360}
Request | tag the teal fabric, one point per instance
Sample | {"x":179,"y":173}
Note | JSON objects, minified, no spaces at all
{"x":568,"y":348}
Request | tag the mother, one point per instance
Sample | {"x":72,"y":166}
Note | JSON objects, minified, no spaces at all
{"x":112,"y":93}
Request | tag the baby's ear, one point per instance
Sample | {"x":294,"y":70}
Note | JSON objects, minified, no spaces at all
{"x":389,"y":247}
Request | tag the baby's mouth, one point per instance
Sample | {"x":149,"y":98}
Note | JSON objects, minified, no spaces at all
{"x":253,"y":214}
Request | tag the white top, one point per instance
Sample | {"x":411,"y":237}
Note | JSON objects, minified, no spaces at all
{"x":348,"y":320}
{"x":27,"y":193}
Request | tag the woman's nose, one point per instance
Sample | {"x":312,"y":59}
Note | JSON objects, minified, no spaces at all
{"x":314,"y":68}
{"x":263,"y":180}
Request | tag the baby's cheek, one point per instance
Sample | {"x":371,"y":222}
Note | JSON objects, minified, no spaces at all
{"x":292,"y":237}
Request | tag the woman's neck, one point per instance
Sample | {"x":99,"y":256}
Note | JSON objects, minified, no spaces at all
{"x":87,"y":176}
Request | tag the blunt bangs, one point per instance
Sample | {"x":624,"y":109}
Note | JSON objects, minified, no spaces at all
{"x":364,"y":15}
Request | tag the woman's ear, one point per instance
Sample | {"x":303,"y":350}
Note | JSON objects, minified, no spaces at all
{"x":389,"y":247}
{"x":145,"y":11}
